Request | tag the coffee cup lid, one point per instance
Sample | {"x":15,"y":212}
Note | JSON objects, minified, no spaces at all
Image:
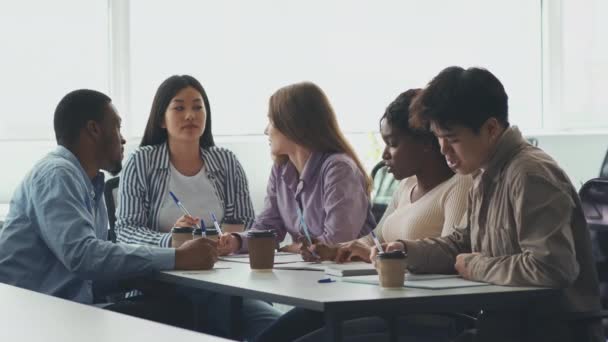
{"x":260,"y":233}
{"x":182,"y":230}
{"x":211,"y":231}
{"x":392,"y":255}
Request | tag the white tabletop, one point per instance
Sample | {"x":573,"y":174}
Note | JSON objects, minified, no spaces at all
{"x":301,"y":288}
{"x":31,"y":316}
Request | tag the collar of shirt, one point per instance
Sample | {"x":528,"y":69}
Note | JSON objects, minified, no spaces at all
{"x":310,"y":171}
{"x":212,"y":166}
{"x":509,"y":144}
{"x":96,"y":185}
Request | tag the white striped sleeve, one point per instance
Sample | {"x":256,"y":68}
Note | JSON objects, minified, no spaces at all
{"x":243,"y":205}
{"x":132,"y":214}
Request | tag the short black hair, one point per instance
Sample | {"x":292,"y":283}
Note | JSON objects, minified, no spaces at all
{"x":458,"y":96}
{"x":75,"y":110}
{"x":154,"y":133}
{"x":397,"y":115}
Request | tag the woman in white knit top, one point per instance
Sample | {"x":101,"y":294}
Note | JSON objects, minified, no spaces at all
{"x":430,"y":200}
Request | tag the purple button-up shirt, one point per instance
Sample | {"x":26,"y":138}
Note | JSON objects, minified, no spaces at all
{"x":333,"y":196}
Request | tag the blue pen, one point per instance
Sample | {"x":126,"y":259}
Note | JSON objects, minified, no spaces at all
{"x":216,"y":224}
{"x":305,"y":229}
{"x":378,"y":245}
{"x":179,"y":204}
{"x":325,"y":280}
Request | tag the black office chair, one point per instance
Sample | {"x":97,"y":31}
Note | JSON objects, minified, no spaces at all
{"x":604,"y":169}
{"x":594,"y":199}
{"x":384,"y":185}
{"x":110,"y":194}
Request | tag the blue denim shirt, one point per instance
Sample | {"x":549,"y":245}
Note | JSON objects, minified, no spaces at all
{"x":54,"y":237}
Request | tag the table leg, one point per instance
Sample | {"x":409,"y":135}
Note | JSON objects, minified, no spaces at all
{"x":393,"y":332}
{"x":333,"y":327}
{"x":236,"y":319}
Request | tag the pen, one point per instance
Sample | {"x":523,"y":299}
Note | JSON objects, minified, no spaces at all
{"x":325,"y":280}
{"x":306,"y":233}
{"x":216,"y":224}
{"x":378,"y":245}
{"x":180,"y":205}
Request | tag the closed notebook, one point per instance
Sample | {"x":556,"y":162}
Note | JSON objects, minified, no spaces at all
{"x":423,"y":281}
{"x":279,"y":258}
{"x":350,"y":269}
{"x":301,"y":266}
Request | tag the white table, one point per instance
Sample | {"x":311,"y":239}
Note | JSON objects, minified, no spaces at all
{"x":342,"y":300}
{"x":32,"y":316}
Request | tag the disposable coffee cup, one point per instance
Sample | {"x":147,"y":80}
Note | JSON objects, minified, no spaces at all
{"x":179,"y":235}
{"x":262,"y":244}
{"x":212,"y":234}
{"x":232,"y":225}
{"x":391,"y":269}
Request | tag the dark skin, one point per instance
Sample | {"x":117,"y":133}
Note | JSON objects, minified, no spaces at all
{"x":100,"y":146}
{"x":405,"y":156}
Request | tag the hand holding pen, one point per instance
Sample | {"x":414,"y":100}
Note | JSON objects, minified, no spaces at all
{"x":187,"y":221}
{"x":216,"y":224}
{"x":184,"y":210}
{"x":376,"y":242}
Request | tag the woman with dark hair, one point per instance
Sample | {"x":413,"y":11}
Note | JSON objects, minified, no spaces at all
{"x":429,"y":202}
{"x":177,"y":154}
{"x":317,"y":183}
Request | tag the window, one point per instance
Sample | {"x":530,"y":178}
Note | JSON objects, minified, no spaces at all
{"x":48,"y":49}
{"x":584,"y":54}
{"x":362,"y":53}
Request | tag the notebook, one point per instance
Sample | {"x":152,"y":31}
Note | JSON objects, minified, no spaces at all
{"x":301,"y":266}
{"x":331,"y":268}
{"x":350,"y":269}
{"x":422,"y":281}
{"x":279,"y":258}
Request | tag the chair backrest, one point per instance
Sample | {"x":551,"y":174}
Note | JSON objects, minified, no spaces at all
{"x":594,"y":200}
{"x":604,"y":169}
{"x":384,"y":187}
{"x":110,"y":194}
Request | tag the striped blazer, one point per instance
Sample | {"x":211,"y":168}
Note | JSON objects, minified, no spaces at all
{"x":143,"y":187}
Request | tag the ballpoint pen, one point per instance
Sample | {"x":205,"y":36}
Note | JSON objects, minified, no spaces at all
{"x":216,"y":224}
{"x":306,"y":233}
{"x":181,"y":206}
{"x":378,"y":245}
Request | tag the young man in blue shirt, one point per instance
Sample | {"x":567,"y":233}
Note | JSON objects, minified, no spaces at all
{"x":54,"y":239}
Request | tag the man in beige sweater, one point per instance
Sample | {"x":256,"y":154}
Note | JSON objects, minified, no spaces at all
{"x":525,"y":223}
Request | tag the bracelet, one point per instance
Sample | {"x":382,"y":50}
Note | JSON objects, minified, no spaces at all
{"x":404,"y":246}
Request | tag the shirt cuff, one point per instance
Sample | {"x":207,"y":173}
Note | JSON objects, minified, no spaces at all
{"x":475,"y":266}
{"x":164,"y":258}
{"x":415,"y":255}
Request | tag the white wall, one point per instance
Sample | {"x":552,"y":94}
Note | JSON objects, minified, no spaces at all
{"x":580,"y":155}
